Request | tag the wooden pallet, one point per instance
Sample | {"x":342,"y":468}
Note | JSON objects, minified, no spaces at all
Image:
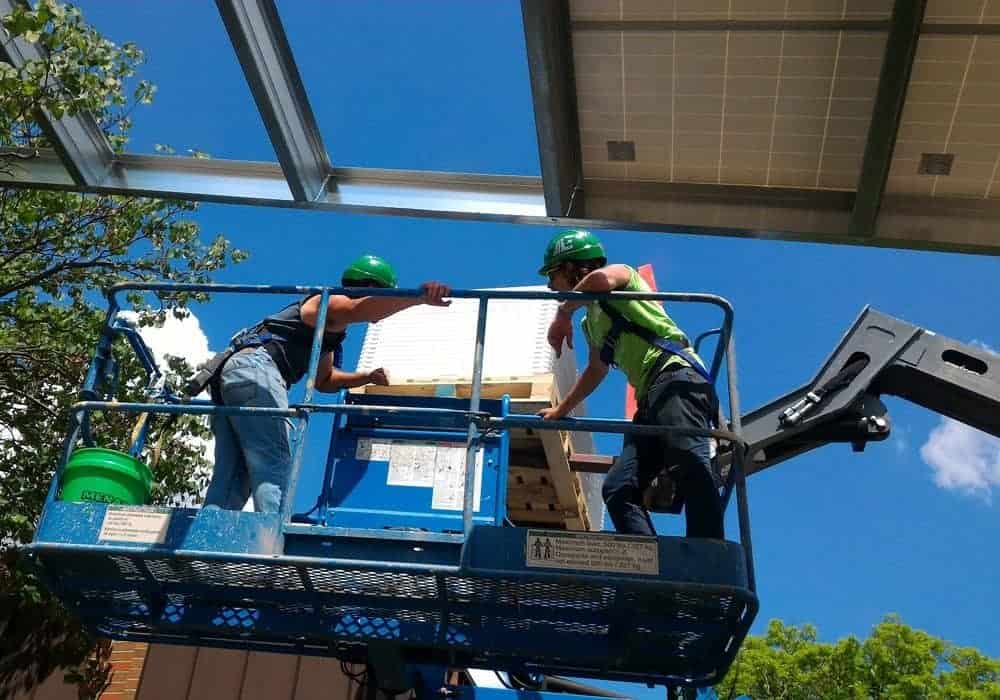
{"x":528,"y":504}
{"x":532,"y":499}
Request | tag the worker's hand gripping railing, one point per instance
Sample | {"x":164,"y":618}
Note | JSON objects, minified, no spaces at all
{"x":477,"y":421}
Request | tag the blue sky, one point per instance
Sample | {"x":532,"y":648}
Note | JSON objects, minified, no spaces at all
{"x":840,"y":539}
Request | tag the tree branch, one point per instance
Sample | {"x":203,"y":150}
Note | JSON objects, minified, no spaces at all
{"x":27,"y":397}
{"x":54,"y":270}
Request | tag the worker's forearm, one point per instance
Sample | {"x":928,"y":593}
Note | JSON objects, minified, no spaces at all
{"x":595,"y":282}
{"x":585,"y":384}
{"x":337,"y":380}
{"x":373,"y":309}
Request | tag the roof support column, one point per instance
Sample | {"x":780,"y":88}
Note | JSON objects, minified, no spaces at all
{"x":900,"y":51}
{"x":553,"y":90}
{"x":260,"y":43}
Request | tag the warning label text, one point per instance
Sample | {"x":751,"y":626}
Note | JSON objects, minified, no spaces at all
{"x":125,"y":525}
{"x":614,"y":553}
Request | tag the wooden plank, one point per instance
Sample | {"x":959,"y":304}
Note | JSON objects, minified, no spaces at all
{"x":567,"y":484}
{"x":521,"y":516}
{"x":270,"y":676}
{"x":321,"y":678}
{"x":534,"y":458}
{"x":537,"y":388}
{"x":531,"y":491}
{"x":535,"y":494}
{"x":518,"y":475}
{"x":592,"y":464}
{"x":523,"y":439}
{"x":218,"y":674}
{"x":167,"y":672}
{"x":531,"y":457}
{"x":530,"y":406}
{"x":527,"y":475}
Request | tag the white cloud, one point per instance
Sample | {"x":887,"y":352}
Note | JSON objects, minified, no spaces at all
{"x":180,"y":337}
{"x":963,"y":458}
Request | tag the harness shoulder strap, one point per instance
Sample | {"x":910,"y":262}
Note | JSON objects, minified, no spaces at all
{"x":620,"y":323}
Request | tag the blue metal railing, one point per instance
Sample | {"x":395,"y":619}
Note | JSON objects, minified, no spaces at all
{"x":477,"y":422}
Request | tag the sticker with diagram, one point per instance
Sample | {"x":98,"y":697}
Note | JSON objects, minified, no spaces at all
{"x":411,"y":463}
{"x":369,"y":450}
{"x":449,"y":477}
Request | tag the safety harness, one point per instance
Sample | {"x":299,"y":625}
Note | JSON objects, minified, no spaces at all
{"x":208,"y":374}
{"x":662,"y":494}
{"x":620,"y":323}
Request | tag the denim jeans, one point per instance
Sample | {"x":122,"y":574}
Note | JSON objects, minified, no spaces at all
{"x":252,"y":453}
{"x":678,"y":398}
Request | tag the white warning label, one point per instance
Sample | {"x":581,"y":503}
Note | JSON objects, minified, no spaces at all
{"x":624,"y":554}
{"x":126,"y":525}
{"x":411,"y":463}
{"x":449,"y":477}
{"x":372,"y":450}
{"x":439,"y":466}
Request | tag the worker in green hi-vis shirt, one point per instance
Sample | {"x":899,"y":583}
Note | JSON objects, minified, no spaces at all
{"x":671,"y":384}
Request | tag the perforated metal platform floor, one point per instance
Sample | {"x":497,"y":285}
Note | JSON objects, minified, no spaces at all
{"x":488,"y":609}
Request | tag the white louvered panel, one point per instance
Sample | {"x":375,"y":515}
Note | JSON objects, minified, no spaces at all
{"x":427,"y":342}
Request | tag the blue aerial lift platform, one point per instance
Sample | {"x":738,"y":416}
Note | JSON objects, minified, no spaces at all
{"x":404,"y":564}
{"x":407,"y":562}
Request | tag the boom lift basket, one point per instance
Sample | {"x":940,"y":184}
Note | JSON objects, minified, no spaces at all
{"x":460,"y":589}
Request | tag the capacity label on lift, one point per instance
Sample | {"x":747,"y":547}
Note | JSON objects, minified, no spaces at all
{"x":551,"y":549}
{"x":128,"y":525}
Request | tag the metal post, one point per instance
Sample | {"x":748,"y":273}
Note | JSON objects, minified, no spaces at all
{"x":102,"y":353}
{"x":553,"y":91}
{"x":739,"y":455}
{"x":724,"y":334}
{"x":77,"y":420}
{"x":298,"y":437}
{"x":473,"y":439}
{"x":323,"y":502}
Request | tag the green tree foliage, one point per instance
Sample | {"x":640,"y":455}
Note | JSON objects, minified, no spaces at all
{"x":896,"y":662}
{"x":57,"y":251}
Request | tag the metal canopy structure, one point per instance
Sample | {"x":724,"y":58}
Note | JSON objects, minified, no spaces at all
{"x":842,"y":121}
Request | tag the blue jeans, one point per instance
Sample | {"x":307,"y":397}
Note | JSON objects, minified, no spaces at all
{"x":678,"y":398}
{"x":252,"y":453}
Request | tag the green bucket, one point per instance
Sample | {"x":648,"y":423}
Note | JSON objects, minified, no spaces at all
{"x":105,"y":476}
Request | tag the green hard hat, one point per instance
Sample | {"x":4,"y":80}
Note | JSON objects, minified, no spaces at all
{"x":369,"y":268}
{"x":571,"y":245}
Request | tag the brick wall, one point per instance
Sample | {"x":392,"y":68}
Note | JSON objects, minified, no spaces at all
{"x":167,"y":672}
{"x":127,"y":659}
